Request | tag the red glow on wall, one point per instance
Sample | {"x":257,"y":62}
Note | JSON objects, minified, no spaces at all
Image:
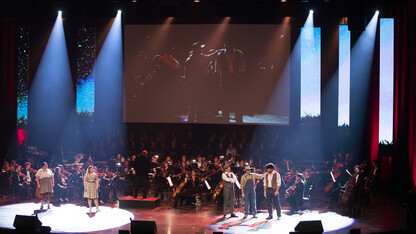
{"x":21,"y":136}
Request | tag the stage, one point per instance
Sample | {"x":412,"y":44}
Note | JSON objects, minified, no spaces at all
{"x":67,"y":217}
{"x":384,"y":215}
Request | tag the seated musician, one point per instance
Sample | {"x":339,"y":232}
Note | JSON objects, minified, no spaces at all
{"x":190,"y":187}
{"x":5,"y":176}
{"x":19,"y":185}
{"x":309,"y":181}
{"x":354,"y":201}
{"x":294,"y":194}
{"x":180,"y":192}
{"x":161,"y":182}
{"x":107,"y":186}
{"x":60,"y":188}
{"x":30,"y":180}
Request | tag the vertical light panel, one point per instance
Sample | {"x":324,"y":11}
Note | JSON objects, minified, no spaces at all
{"x":86,"y":54}
{"x":22,"y":74}
{"x":310,"y":83}
{"x":386,"y":79}
{"x":344,"y":76}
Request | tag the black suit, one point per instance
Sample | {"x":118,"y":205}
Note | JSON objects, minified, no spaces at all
{"x":296,"y":199}
{"x":19,"y":187}
{"x":32,"y":185}
{"x":141,"y":180}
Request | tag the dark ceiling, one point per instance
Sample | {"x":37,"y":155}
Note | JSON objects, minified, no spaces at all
{"x":189,"y":11}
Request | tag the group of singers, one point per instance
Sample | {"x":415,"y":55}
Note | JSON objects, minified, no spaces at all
{"x":271,"y":184}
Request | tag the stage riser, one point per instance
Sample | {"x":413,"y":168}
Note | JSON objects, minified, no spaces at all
{"x":130,"y":202}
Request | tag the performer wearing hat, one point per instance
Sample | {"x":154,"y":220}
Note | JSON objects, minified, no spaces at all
{"x":248,"y":181}
{"x":228,"y":191}
{"x":272,"y":184}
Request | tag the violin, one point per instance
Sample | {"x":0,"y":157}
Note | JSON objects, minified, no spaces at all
{"x":24,"y":178}
{"x":22,"y":175}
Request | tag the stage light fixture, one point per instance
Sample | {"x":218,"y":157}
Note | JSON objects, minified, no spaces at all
{"x":377,"y":12}
{"x":119,"y":11}
{"x":60,"y":12}
{"x":310,"y":11}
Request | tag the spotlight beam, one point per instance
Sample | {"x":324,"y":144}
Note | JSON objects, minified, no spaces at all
{"x":51,"y":95}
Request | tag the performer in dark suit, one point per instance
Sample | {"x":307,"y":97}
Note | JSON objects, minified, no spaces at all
{"x":141,"y":170}
{"x":29,"y":172}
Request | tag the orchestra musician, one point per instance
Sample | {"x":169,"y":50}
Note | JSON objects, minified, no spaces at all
{"x":248,"y":181}
{"x":109,"y":184}
{"x":19,"y":184}
{"x":354,"y":201}
{"x":180,"y":192}
{"x":161,"y":182}
{"x":188,"y":188}
{"x":30,"y":178}
{"x":6,"y":173}
{"x":309,"y":181}
{"x":60,"y":187}
{"x":272,"y":183}
{"x":229,"y":179}
{"x":294,"y":194}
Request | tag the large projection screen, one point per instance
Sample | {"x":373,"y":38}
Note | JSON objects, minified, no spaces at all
{"x":207,"y":73}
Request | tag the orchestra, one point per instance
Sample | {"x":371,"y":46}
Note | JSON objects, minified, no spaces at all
{"x":188,"y":180}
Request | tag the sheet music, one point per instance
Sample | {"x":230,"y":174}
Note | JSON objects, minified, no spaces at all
{"x":207,"y":184}
{"x":169,"y":181}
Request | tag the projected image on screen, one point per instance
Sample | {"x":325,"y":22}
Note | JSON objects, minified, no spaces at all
{"x":386,"y":80}
{"x":86,"y":54}
{"x":310,"y":76}
{"x":207,"y":74}
{"x":344,"y":76}
{"x":22,"y":89}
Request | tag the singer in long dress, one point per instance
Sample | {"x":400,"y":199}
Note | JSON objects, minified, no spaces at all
{"x":91,"y":184}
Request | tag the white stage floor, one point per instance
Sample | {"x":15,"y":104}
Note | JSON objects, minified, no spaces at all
{"x":67,"y":217}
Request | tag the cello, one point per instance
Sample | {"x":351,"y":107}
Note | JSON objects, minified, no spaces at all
{"x":179,"y":188}
{"x":351,"y":183}
{"x":348,"y":190}
{"x":218,"y":190}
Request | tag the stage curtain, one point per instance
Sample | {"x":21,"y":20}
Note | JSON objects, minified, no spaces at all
{"x":8,"y":102}
{"x":404,"y":135}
